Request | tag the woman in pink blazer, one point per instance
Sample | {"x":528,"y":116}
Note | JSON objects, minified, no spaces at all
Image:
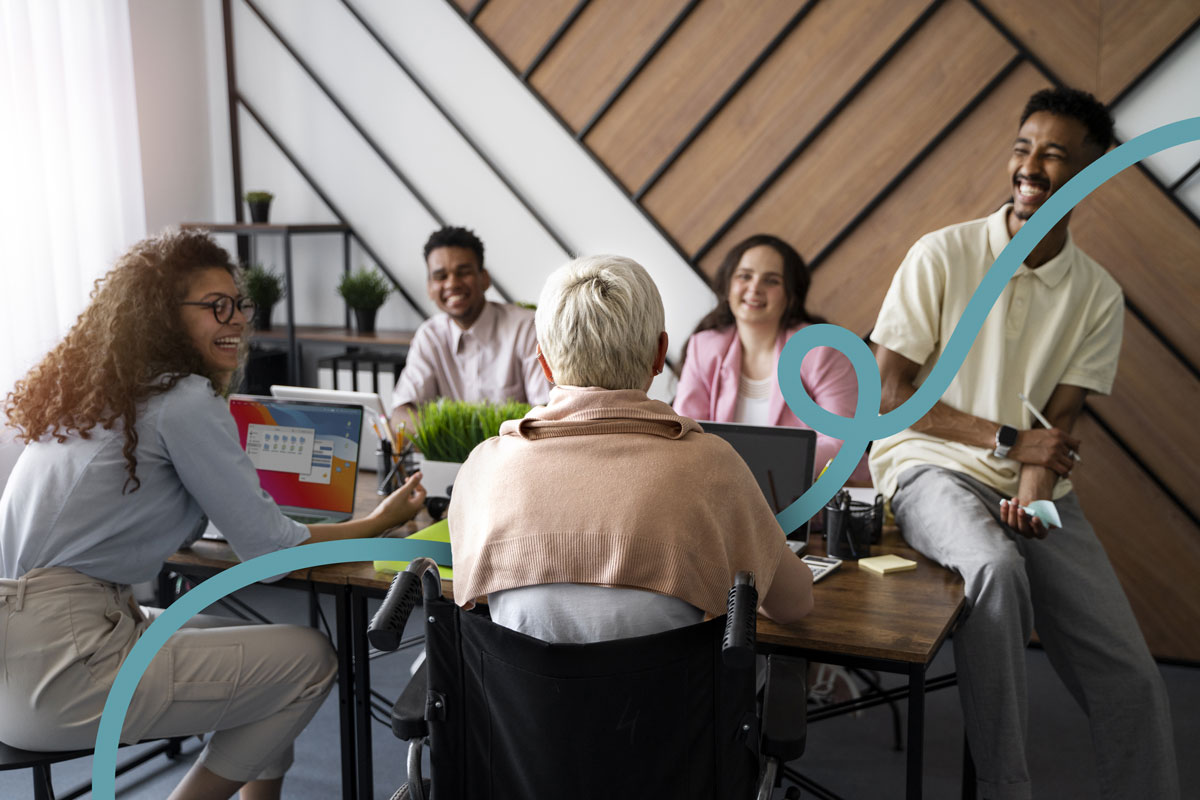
{"x":729,"y":370}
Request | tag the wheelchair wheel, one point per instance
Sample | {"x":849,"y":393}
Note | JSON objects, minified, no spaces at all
{"x":403,"y":794}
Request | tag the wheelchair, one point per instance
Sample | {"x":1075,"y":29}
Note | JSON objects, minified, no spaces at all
{"x":510,"y":717}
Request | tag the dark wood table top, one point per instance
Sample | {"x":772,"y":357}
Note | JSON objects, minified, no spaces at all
{"x":902,"y":617}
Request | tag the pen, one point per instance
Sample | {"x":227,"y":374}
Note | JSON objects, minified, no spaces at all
{"x":1038,"y":416}
{"x":822,"y":472}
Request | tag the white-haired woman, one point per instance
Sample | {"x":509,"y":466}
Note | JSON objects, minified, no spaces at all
{"x":604,"y":514}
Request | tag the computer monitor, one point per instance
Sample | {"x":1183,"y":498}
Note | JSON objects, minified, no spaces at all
{"x":780,"y":458}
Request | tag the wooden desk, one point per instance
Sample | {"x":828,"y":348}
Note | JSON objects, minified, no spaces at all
{"x":895,"y":623}
{"x":891,"y":623}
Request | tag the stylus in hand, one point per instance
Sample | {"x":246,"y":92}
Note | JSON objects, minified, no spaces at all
{"x":1045,"y":422}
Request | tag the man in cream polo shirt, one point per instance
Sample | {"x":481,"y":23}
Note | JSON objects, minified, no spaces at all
{"x":960,"y":478}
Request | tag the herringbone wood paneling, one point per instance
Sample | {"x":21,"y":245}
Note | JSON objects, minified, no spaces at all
{"x":1096,"y":45}
{"x":717,"y":43}
{"x":1151,"y":248}
{"x":597,"y":53}
{"x":834,"y":45}
{"x":519,"y":28}
{"x":1154,"y":547}
{"x":1152,"y":409}
{"x":950,"y":59}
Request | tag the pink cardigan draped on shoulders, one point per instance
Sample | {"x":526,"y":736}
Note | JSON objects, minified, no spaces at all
{"x":708,"y":387}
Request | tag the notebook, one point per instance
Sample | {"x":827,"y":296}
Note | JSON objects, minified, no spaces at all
{"x":780,"y":458}
{"x":306,"y":454}
{"x":437,"y":532}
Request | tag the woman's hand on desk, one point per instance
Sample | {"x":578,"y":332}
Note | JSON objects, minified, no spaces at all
{"x":401,"y":505}
{"x":394,"y":510}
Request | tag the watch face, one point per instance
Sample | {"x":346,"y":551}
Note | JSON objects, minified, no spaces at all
{"x":1007,"y":436}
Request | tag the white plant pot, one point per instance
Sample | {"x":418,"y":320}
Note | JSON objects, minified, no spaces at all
{"x":437,"y":475}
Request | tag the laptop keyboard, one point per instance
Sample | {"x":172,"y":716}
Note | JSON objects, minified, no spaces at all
{"x":303,"y":520}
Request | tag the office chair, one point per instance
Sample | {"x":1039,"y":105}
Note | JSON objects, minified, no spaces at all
{"x":665,"y":716}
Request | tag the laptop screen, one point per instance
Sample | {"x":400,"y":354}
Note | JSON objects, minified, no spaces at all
{"x":780,"y":458}
{"x":305,"y":453}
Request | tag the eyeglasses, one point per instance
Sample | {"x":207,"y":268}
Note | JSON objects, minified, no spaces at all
{"x":222,"y":308}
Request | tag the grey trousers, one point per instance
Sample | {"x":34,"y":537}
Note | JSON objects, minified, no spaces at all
{"x":1065,"y":586}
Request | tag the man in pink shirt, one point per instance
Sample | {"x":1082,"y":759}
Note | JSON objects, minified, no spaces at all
{"x":475,"y":349}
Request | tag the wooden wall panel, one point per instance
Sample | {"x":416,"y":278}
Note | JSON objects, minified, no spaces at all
{"x":818,"y":63}
{"x":936,"y":74}
{"x":466,"y":5}
{"x":519,"y":28}
{"x":1151,"y":248}
{"x":716,"y":43}
{"x":962,"y":179}
{"x":1067,"y":41}
{"x":1134,"y":32}
{"x":596,"y":54}
{"x":1096,"y":45}
{"x":1153,"y":410}
{"x":1153,"y":546}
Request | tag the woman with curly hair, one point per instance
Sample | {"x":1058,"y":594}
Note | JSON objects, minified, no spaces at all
{"x":130,"y":445}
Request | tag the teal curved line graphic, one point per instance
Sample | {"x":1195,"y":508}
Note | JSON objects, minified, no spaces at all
{"x":104,"y":765}
{"x":868,"y":424}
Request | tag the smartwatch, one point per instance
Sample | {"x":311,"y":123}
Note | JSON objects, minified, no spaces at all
{"x":1006,"y":437}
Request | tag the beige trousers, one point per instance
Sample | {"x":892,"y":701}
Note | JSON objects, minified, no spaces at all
{"x":64,"y":635}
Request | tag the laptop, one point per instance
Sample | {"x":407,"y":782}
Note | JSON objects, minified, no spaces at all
{"x":780,"y":458}
{"x":306,"y":453}
{"x":376,"y":424}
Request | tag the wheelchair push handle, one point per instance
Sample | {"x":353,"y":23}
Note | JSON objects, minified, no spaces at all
{"x":737,"y":649}
{"x":387,"y":626}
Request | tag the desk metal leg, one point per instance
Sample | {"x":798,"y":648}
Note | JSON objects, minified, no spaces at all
{"x":362,"y":694}
{"x":346,"y":692}
{"x":968,"y":773}
{"x":916,"y":730}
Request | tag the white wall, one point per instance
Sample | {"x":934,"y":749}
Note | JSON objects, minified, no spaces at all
{"x":179,"y":56}
{"x":1166,"y":95}
{"x":169,"y":56}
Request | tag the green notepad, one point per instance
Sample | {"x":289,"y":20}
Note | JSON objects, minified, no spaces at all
{"x":437,"y":532}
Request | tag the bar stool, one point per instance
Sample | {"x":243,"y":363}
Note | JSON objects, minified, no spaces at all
{"x":40,"y":762}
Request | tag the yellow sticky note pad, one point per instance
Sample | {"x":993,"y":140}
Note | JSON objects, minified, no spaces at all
{"x":884,"y":565}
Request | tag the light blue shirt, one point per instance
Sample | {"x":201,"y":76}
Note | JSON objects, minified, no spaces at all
{"x":63,"y":506}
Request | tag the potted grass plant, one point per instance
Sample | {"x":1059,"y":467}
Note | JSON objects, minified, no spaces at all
{"x":260,"y":205}
{"x":364,"y":291}
{"x":446,"y":431}
{"x":265,"y":287}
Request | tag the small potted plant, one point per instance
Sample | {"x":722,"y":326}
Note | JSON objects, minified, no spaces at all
{"x":260,"y":205}
{"x":446,"y":431}
{"x":265,"y":287}
{"x":364,"y":291}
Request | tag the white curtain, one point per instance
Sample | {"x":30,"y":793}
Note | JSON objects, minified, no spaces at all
{"x":71,"y":197}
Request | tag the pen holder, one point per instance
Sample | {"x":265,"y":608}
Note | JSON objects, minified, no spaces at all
{"x":852,"y":527}
{"x":388,"y":469}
